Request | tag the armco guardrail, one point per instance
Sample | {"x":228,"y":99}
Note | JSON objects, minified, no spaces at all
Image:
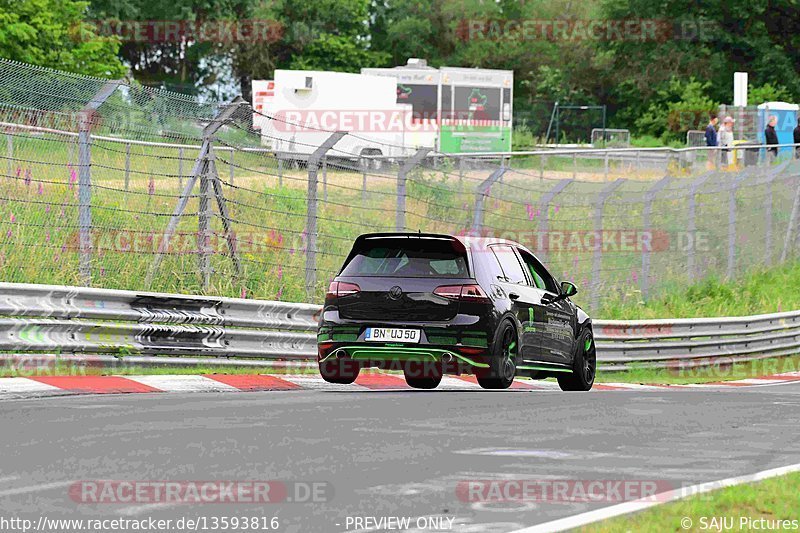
{"x":73,"y":320}
{"x":45,"y":318}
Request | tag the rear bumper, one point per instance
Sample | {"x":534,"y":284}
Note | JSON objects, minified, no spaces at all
{"x":461,"y":344}
{"x":381,"y":355}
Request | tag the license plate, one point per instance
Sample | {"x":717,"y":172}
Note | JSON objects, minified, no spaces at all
{"x":392,"y":335}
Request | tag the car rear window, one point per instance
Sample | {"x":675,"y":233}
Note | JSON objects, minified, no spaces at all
{"x":408,"y":258}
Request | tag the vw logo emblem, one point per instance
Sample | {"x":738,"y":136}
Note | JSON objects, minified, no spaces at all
{"x":395,"y":292}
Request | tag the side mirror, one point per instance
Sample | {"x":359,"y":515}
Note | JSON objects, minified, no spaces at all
{"x":568,"y":289}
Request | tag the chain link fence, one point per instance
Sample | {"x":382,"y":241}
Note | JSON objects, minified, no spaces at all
{"x":108,"y":184}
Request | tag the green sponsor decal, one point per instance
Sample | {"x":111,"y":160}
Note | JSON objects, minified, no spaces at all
{"x":529,"y":327}
{"x":458,"y":139}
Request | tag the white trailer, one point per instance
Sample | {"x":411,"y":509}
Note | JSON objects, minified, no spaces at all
{"x":308,"y":105}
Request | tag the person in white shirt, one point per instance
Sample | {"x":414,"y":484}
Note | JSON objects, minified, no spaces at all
{"x":726,"y":141}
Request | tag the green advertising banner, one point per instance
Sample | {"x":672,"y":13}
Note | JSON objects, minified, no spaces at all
{"x":460,"y":139}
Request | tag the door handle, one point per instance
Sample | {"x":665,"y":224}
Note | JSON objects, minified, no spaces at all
{"x":513,"y":295}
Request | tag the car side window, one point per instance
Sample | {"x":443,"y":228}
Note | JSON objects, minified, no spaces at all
{"x":541,"y":277}
{"x":509,"y":263}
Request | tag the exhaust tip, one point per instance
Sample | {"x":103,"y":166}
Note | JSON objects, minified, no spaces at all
{"x":447,"y":358}
{"x":340,"y":354}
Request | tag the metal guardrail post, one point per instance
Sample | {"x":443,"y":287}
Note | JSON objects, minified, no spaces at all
{"x":597,"y":253}
{"x":644,"y":280}
{"x":691,"y":223}
{"x":402,"y":175}
{"x":606,"y":165}
{"x":311,"y":211}
{"x":544,"y":215}
{"x":481,"y":192}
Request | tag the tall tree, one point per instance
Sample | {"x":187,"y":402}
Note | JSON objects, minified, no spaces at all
{"x":56,"y":34}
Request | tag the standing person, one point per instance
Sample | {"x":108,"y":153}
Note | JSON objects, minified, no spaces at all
{"x":797,"y":139}
{"x":771,"y":138}
{"x":726,"y":141}
{"x":711,"y":140}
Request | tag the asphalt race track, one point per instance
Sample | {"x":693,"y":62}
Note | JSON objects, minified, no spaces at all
{"x":386,"y":453}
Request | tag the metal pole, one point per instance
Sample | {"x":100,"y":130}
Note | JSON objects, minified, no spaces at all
{"x":644,"y":281}
{"x":481,"y":192}
{"x":85,"y":205}
{"x":792,"y":227}
{"x":311,"y":212}
{"x":541,"y":167}
{"x":10,"y":153}
{"x":691,"y":225}
{"x":552,"y":116}
{"x":325,"y":178}
{"x":280,"y":172}
{"x":734,"y":187}
{"x":364,"y":163}
{"x":86,"y":120}
{"x":604,"y":126}
{"x":544,"y":215}
{"x":204,"y":230}
{"x":411,"y":162}
{"x":127,"y":165}
{"x":606,"y":165}
{"x":597,"y":254}
{"x":200,"y":168}
{"x":231,"y":167}
{"x":180,"y":168}
{"x":574,"y":165}
{"x":222,"y":206}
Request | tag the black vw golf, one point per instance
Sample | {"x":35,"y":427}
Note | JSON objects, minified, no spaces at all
{"x":430,"y":304}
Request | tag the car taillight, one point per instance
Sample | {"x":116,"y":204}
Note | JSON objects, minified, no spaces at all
{"x":466,"y":293}
{"x":339,"y":289}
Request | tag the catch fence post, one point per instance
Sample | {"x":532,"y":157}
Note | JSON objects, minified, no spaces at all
{"x":544,"y":216}
{"x":85,"y":123}
{"x":732,"y":190}
{"x":10,"y":153}
{"x":597,"y":253}
{"x":180,"y":168}
{"x":127,"y":165}
{"x":644,"y":281}
{"x":231,"y":168}
{"x":204,"y":214}
{"x":311,"y":212}
{"x":481,"y":192}
{"x":402,"y":175}
{"x":691,"y":224}
{"x":200,"y":170}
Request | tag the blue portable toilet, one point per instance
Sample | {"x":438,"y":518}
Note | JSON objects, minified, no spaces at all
{"x":787,"y":122}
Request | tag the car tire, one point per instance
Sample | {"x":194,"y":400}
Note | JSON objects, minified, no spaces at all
{"x":422,"y":375}
{"x":340,"y":371}
{"x":504,"y":360}
{"x":584,"y":365}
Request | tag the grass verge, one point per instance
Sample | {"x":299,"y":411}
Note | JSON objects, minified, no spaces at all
{"x":770,"y":500}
